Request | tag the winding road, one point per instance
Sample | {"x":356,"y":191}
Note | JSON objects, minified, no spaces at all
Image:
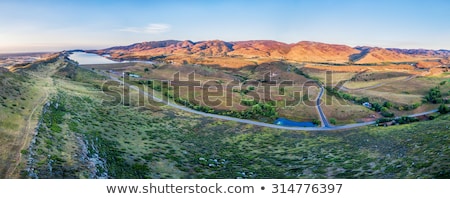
{"x":323,"y":118}
{"x":325,"y":125}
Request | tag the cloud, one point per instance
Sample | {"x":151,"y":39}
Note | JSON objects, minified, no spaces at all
{"x":149,"y":29}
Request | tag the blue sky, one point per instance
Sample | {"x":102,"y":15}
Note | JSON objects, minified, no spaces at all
{"x":57,"y":25}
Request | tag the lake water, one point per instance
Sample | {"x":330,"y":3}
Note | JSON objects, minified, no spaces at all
{"x":286,"y":122}
{"x":90,"y":58}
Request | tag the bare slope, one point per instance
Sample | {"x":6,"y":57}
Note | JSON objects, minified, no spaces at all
{"x":255,"y":50}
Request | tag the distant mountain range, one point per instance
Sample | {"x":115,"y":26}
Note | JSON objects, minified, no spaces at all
{"x":304,"y":51}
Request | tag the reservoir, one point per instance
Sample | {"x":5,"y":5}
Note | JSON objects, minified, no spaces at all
{"x":84,"y":58}
{"x":89,"y":58}
{"x":286,"y":122}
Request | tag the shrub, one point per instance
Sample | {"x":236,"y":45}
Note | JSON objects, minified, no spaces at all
{"x":383,"y":120}
{"x":385,"y":112}
{"x":388,"y":105}
{"x":24,"y":152}
{"x":376,"y":107}
{"x":248,"y":102}
{"x":406,"y":120}
{"x":434,"y":96}
{"x":443,"y":109}
{"x":55,"y":128}
{"x":316,"y":122}
{"x":281,"y":89}
{"x":333,"y":121}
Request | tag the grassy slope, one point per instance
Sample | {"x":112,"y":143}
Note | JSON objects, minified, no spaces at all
{"x":16,"y":97}
{"x":159,"y":142}
{"x":22,"y":95}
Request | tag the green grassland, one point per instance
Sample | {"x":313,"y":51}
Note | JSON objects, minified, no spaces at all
{"x":83,"y":135}
{"x":22,"y":95}
{"x":16,"y":96}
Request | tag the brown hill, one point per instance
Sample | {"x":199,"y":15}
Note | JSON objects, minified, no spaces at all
{"x":429,"y":64}
{"x":260,"y":48}
{"x":211,"y":48}
{"x":320,"y":52}
{"x":305,"y":51}
{"x":422,"y":52}
{"x":302,"y":51}
{"x":377,"y":55}
{"x":169,"y":47}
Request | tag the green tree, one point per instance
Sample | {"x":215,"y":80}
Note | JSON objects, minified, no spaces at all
{"x":443,"y":109}
{"x":281,"y":89}
{"x":388,"y":105}
{"x":316,"y":122}
{"x":146,"y":70}
{"x":376,"y":107}
{"x":434,"y":95}
{"x":333,"y":121}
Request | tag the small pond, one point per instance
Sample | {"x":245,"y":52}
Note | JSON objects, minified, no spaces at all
{"x":287,"y":122}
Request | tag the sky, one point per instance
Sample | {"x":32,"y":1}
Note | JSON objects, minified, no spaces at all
{"x":47,"y":25}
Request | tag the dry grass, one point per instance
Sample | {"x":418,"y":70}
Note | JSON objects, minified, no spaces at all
{"x":353,"y":68}
{"x":305,"y":110}
{"x":420,"y":109}
{"x":416,"y":86}
{"x":226,"y":62}
{"x":388,"y":96}
{"x":218,"y":77}
{"x":346,"y":112}
{"x":364,"y":84}
{"x":336,"y":77}
{"x":428,"y":64}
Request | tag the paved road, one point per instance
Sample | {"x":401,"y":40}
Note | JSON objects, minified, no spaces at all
{"x":423,"y":113}
{"x":326,"y":126}
{"x":323,"y":118}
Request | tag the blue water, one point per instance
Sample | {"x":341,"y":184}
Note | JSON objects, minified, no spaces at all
{"x":286,"y":122}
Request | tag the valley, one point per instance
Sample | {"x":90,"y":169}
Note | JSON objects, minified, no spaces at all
{"x":175,"y":109}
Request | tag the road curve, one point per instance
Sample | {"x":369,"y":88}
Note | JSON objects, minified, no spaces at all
{"x":323,"y":118}
{"x":326,"y":127}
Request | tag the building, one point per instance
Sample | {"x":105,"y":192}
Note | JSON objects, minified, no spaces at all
{"x":131,"y":75}
{"x":367,"y":104}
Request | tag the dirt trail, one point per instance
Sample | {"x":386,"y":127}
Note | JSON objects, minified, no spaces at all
{"x":26,"y":134}
{"x":21,"y":142}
